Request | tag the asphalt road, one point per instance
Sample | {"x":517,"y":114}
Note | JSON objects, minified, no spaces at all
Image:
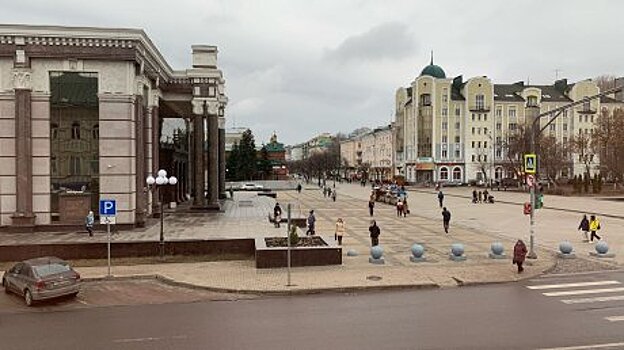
{"x":550,"y":314}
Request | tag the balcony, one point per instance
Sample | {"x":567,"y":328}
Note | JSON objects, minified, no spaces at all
{"x":479,"y":108}
{"x":586,"y":110}
{"x":532,"y":105}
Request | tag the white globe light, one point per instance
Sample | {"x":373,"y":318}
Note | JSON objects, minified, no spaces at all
{"x":160,"y":180}
{"x":166,"y":180}
{"x":150,"y":180}
{"x":173,"y":180}
{"x":162,"y":173}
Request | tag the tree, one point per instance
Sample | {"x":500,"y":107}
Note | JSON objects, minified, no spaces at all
{"x":581,"y":144}
{"x":608,"y":143}
{"x":605,"y":82}
{"x":265,"y":167}
{"x":233,"y":163}
{"x":247,"y":155}
{"x":554,"y":157}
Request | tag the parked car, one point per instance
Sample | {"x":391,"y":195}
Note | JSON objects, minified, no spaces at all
{"x":41,"y":279}
{"x":251,"y":187}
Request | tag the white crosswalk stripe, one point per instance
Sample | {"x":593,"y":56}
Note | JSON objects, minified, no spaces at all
{"x":593,"y":300}
{"x":583,"y":291}
{"x":615,"y":318}
{"x":572,"y":285}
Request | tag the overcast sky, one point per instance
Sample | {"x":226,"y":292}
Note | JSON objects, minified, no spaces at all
{"x":305,"y":67}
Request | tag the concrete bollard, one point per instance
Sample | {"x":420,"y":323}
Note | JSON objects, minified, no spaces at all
{"x":376,"y":255}
{"x":602,"y":250}
{"x":497,"y":251}
{"x":565,"y":250}
{"x":457,"y":252}
{"x":352,"y":252}
{"x":418,"y":252}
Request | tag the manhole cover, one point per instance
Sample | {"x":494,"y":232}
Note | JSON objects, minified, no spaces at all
{"x":374,"y":278}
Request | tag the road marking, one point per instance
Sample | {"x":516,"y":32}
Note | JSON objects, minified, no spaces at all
{"x":615,"y":318}
{"x":135,"y":340}
{"x":593,"y":300}
{"x":584,"y":347}
{"x":584,"y":291}
{"x":572,"y":285}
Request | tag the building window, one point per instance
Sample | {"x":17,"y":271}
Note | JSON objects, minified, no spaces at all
{"x":499,"y":111}
{"x":445,"y":111}
{"x":473,"y":117}
{"x":512,"y":112}
{"x":513,"y":126}
{"x":74,"y":165}
{"x":499,"y":126}
{"x":580,"y":118}
{"x":473,"y":130}
{"x":457,"y":155}
{"x":473,"y":157}
{"x":532,"y":101}
{"x":565,"y":140}
{"x":457,"y":111}
{"x":484,"y":144}
{"x":485,"y":157}
{"x":499,"y":154}
{"x":457,"y":126}
{"x":498,"y":173}
{"x":592,"y":119}
{"x":457,"y":173}
{"x":425,"y":100}
{"x":553,"y":127}
{"x":53,"y":165}
{"x":480,"y":102}
{"x":444,"y":139}
{"x":479,"y":117}
{"x":444,"y":154}
{"x":473,"y":144}
{"x":565,"y":127}
{"x":479,"y":144}
{"x":485,"y":131}
{"x":75,"y":129}
{"x":444,"y":125}
{"x":444,"y":173}
{"x":485,"y":117}
{"x":444,"y":98}
{"x":457,"y":139}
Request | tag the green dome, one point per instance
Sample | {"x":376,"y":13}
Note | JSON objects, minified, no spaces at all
{"x":433,"y":71}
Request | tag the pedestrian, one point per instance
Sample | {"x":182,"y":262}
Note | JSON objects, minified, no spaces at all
{"x":474,"y":196}
{"x":299,"y":188}
{"x":440,"y":198}
{"x":371,"y":207}
{"x":485,"y":195}
{"x":594,"y":225}
{"x":520,"y":251}
{"x":446,"y":219}
{"x":333,"y":195}
{"x":584,"y":226}
{"x":277,"y":215}
{"x":311,"y":222}
{"x":399,"y":207}
{"x":340,"y":230}
{"x":231,"y":193}
{"x":89,"y":220}
{"x":480,"y":196}
{"x":374,"y":233}
{"x":405,"y":207}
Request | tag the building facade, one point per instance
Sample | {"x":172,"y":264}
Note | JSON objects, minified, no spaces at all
{"x":370,"y":155}
{"x":81,"y":112}
{"x":450,"y":130}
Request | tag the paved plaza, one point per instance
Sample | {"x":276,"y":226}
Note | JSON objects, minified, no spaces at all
{"x":474,"y":225}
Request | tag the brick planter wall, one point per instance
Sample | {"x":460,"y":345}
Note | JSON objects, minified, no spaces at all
{"x":266,"y":257}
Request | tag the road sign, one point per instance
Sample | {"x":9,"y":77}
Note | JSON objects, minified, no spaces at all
{"x":108,"y":207}
{"x":530,"y":180}
{"x":104,"y":220}
{"x":530,"y":163}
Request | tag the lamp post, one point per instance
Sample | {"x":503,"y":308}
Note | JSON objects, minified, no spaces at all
{"x":157,"y":183}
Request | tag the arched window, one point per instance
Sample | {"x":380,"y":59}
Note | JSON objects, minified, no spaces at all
{"x":498,"y":173}
{"x":75,"y":131}
{"x":444,"y":173}
{"x":457,"y":173}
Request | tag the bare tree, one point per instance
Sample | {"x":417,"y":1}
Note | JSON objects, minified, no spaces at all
{"x":605,"y":81}
{"x":581,"y":144}
{"x":608,"y":143}
{"x":554,"y":157}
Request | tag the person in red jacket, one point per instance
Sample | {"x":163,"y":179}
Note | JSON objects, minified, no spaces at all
{"x":520,"y":252}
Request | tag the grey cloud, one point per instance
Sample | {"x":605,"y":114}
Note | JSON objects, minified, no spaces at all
{"x":390,"y":40}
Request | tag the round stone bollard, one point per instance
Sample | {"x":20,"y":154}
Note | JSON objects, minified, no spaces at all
{"x":602,"y":250}
{"x":497,"y":251}
{"x":565,"y":250}
{"x":352,"y":252}
{"x":376,"y":255}
{"x":418,"y":252}
{"x":457,"y":252}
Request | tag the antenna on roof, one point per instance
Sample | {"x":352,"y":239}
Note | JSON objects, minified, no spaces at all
{"x":557,"y":70}
{"x":431,"y":57}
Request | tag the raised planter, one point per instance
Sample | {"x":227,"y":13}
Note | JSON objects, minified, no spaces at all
{"x":299,"y":222}
{"x":327,"y":254}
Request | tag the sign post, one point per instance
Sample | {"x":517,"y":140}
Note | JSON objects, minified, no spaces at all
{"x":108,"y":210}
{"x":530,"y":167}
{"x":288,"y":249}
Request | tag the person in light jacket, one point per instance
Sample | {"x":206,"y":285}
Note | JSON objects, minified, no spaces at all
{"x":89,"y":220}
{"x":340,"y":230}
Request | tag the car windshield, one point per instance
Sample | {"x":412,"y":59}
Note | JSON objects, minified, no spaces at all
{"x":50,"y":269}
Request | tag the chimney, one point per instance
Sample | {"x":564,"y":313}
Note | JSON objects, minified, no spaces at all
{"x":204,"y":56}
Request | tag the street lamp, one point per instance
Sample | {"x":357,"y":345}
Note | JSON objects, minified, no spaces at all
{"x":156,"y":183}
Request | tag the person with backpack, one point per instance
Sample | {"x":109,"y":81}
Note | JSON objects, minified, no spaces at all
{"x":584,"y":226}
{"x":446,"y":219}
{"x":374,"y":233}
{"x":594,"y":225}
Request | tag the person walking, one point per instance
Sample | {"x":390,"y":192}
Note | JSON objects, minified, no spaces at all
{"x":298,"y":188}
{"x":446,"y":219}
{"x":584,"y":226}
{"x":333,"y":195}
{"x":594,"y":225}
{"x":399,"y":207}
{"x":340,"y":231}
{"x":371,"y":206}
{"x":405,"y":207}
{"x":485,"y":195}
{"x":374,"y":233}
{"x":480,"y":196}
{"x":311,"y":222}
{"x":474,"y":196}
{"x":440,"y":198}
{"x":520,"y":252}
{"x":277,"y":215}
{"x":89,"y":220}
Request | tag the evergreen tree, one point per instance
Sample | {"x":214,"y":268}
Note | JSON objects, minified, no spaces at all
{"x":264,"y":164}
{"x":247,"y":157}
{"x":233,"y":163}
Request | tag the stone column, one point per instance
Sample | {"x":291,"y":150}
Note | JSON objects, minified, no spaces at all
{"x":155,"y":137}
{"x":139,"y":143}
{"x":199,"y":200}
{"x":213,"y":161}
{"x":23,"y":215}
{"x":222,"y":194}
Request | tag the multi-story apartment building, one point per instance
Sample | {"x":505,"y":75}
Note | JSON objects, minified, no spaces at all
{"x":317,"y":144}
{"x":454,"y":130}
{"x":371,"y":152}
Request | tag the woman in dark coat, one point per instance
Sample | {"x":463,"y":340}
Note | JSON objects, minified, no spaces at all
{"x":520,"y":252}
{"x":584,"y":226}
{"x":374,"y":233}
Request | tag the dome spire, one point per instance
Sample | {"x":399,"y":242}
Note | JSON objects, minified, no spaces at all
{"x":431,"y":57}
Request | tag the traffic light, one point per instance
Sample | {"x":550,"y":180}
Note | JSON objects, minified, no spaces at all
{"x":539,"y":203}
{"x":527,"y":208}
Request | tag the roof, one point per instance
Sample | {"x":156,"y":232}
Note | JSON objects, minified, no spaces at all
{"x":607,"y":99}
{"x":551,"y":94}
{"x":508,"y":92}
{"x":433,"y":70}
{"x":275,"y":147}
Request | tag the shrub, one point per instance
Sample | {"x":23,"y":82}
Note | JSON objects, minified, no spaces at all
{"x":294,"y":237}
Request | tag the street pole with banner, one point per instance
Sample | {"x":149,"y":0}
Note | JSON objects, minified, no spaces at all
{"x":288,"y":239}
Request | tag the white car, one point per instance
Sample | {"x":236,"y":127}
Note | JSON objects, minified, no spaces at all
{"x":251,"y":187}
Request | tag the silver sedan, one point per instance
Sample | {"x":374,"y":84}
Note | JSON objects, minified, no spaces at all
{"x":41,"y":279}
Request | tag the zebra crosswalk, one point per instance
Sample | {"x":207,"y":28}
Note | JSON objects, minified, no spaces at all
{"x":585,"y":292}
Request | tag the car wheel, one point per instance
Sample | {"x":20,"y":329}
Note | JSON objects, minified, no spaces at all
{"x":28,"y":298}
{"x":5,"y":285}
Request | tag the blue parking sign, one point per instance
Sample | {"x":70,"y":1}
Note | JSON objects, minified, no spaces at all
{"x":108,"y":207}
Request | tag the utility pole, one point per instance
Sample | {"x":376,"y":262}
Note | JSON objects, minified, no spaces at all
{"x":553,"y":114}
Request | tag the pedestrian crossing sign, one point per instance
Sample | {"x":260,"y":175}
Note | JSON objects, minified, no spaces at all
{"x":530,"y":163}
